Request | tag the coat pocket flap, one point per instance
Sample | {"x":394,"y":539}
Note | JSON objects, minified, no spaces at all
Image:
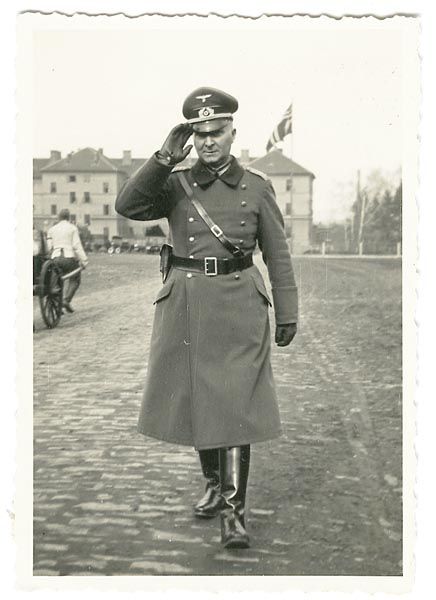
{"x":164,"y":292}
{"x":260,"y":286}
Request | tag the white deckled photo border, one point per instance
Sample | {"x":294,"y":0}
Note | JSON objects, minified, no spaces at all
{"x":28,"y":25}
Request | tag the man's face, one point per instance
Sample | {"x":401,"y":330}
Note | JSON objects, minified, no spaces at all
{"x":213,"y":147}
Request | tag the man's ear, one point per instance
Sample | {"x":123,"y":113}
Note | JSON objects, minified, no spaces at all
{"x":233,"y":134}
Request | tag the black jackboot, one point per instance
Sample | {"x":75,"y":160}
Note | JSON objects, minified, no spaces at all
{"x":234,"y":466}
{"x":211,"y":503}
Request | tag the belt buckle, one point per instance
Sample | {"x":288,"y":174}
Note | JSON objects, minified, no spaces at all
{"x":207,"y":269}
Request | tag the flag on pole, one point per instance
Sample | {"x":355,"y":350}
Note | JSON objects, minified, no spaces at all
{"x":283,"y":129}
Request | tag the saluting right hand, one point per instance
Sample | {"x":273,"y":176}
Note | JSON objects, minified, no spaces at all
{"x":173,"y":147}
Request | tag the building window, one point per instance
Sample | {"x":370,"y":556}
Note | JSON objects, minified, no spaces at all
{"x":53,"y":188}
{"x":72,"y":197}
{"x":87,"y":219}
{"x":72,"y":218}
{"x":289,"y":184}
{"x":72,"y":178}
{"x":86,"y":178}
{"x":106,"y":233}
{"x":288,"y":208}
{"x":86,"y":197}
{"x":105,"y":209}
{"x":53,"y":209}
{"x":105,"y":187}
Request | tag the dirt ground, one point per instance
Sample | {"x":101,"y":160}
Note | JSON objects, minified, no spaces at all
{"x":324,"y":499}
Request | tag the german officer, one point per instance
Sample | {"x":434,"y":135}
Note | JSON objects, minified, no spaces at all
{"x":210,"y":382}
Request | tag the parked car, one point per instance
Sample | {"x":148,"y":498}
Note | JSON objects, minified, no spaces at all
{"x":153,"y":249}
{"x":119,"y":245}
{"x":138,"y":247}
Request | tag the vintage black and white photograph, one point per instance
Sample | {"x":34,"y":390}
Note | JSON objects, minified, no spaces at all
{"x":223,"y":215}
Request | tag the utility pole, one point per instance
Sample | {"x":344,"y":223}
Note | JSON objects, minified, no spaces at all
{"x":352,"y":234}
{"x":361,"y":198}
{"x":362,"y":220}
{"x":346,"y":243}
{"x":354,"y":226}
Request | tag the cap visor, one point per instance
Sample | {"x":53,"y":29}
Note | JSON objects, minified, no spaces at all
{"x":208,"y":126}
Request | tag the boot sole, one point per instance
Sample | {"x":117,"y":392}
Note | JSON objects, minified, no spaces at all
{"x":205,"y":516}
{"x":237,"y":544}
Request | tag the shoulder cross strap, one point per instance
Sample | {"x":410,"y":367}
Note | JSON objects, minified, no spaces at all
{"x":215,"y":229}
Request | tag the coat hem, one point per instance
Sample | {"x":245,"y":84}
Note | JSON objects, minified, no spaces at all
{"x":214,"y":445}
{"x":166,"y":439}
{"x":256,"y":440}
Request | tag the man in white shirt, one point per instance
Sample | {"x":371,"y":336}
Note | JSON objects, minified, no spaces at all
{"x":67,"y":251}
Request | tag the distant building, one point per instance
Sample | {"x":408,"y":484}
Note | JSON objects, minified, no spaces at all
{"x":293,"y":185}
{"x":87,"y":182}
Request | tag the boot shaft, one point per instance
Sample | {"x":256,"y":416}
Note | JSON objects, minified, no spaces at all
{"x":210,"y":504}
{"x":234,"y":468}
{"x":209,"y":460}
{"x":234,"y":464}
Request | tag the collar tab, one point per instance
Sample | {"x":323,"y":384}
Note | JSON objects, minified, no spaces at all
{"x":204,"y":176}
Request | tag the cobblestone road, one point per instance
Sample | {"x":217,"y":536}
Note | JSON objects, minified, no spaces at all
{"x":324,"y":499}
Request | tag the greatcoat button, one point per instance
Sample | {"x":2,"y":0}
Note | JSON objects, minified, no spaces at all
{"x":242,"y":223}
{"x":195,"y":184}
{"x":237,"y":276}
{"x":189,"y":275}
{"x":243,"y":186}
{"x":191,"y":219}
{"x":241,"y":241}
{"x":191,"y":256}
{"x":243,"y":203}
{"x":192,"y":238}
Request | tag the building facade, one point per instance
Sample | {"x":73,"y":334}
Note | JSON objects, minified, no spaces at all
{"x":293,"y":185}
{"x":87,"y":183}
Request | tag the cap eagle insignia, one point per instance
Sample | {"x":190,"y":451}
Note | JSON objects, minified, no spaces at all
{"x":203,"y":98}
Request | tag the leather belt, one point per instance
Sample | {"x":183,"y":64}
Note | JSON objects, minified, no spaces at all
{"x":211,"y":265}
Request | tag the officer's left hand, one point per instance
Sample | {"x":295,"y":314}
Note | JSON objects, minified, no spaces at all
{"x":285,"y":334}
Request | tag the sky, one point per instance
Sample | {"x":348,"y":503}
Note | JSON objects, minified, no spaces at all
{"x":117,"y":90}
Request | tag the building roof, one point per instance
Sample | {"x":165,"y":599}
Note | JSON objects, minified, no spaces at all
{"x":276,"y":163}
{"x":85,"y":160}
{"x":94,"y":161}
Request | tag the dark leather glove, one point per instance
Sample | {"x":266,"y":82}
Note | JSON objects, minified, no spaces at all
{"x":173,"y":150}
{"x":285,"y":334}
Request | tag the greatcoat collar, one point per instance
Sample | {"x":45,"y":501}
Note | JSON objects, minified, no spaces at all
{"x":204,"y":176}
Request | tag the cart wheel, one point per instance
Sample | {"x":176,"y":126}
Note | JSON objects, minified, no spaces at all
{"x":50,"y":294}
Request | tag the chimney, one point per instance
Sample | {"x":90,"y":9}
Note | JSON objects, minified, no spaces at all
{"x":245,"y":156}
{"x":55,"y":155}
{"x":127,"y":158}
{"x":100,"y":151}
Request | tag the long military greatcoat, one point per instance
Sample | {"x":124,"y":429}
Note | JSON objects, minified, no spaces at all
{"x":209,"y":381}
